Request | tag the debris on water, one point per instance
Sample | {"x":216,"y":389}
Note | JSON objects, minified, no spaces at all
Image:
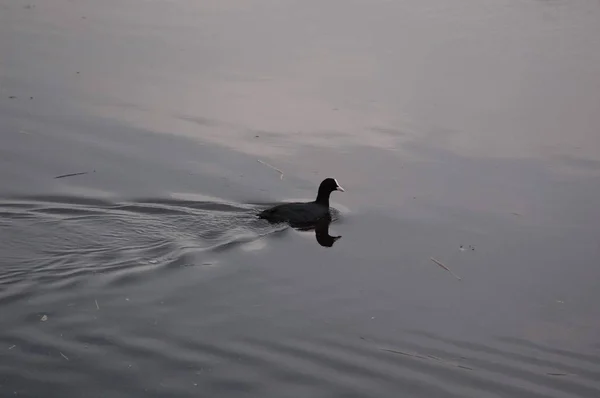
{"x":77,"y":72}
{"x":472,"y":248}
{"x":44,"y":318}
{"x":462,"y":249}
{"x":402,"y":353}
{"x":97,"y":306}
{"x":73,"y":174}
{"x":560,"y":301}
{"x":517,"y":214}
{"x":557,"y":374}
{"x":13,"y":97}
{"x":444,"y":267}
{"x":30,"y":98}
{"x":428,"y":357}
{"x":11,"y":347}
{"x":64,"y":356}
{"x":273,"y":167}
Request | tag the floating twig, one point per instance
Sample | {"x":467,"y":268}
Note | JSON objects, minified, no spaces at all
{"x":71,"y":174}
{"x":557,"y":374}
{"x":11,"y":347}
{"x":428,"y":357}
{"x":397,"y":352}
{"x":446,"y":268}
{"x":273,"y":167}
{"x":402,"y":353}
{"x":97,"y":306}
{"x":64,"y":356}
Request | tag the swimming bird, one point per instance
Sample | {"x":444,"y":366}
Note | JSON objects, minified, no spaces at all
{"x":299,"y":214}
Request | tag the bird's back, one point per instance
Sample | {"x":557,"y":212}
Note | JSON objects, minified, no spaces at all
{"x":295,"y":213}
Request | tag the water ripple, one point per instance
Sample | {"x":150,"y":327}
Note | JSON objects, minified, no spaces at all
{"x":64,"y":237}
{"x":123,"y":298}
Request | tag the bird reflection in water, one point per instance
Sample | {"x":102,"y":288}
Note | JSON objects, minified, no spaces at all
{"x":321,"y":228}
{"x":322,"y":233}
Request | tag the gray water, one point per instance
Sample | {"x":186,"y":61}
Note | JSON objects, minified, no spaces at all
{"x":463,"y":131}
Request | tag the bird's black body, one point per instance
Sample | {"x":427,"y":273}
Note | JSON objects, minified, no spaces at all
{"x":304,"y":214}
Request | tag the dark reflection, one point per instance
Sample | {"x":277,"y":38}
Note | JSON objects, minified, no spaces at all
{"x":322,"y":233}
{"x":321,"y":228}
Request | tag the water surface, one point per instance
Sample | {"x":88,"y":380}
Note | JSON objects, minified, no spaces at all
{"x":466,"y":132}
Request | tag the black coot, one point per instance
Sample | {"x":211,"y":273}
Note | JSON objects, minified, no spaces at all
{"x":304,"y":214}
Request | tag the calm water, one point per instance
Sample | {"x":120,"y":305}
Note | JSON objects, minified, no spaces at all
{"x":464,"y":131}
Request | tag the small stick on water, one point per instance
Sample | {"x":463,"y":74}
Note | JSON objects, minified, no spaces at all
{"x":273,"y":167}
{"x":398,"y":352}
{"x":444,"y":267}
{"x":64,"y":356}
{"x":97,"y":306}
{"x":426,"y":357}
{"x":71,"y":175}
{"x":11,"y":347}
